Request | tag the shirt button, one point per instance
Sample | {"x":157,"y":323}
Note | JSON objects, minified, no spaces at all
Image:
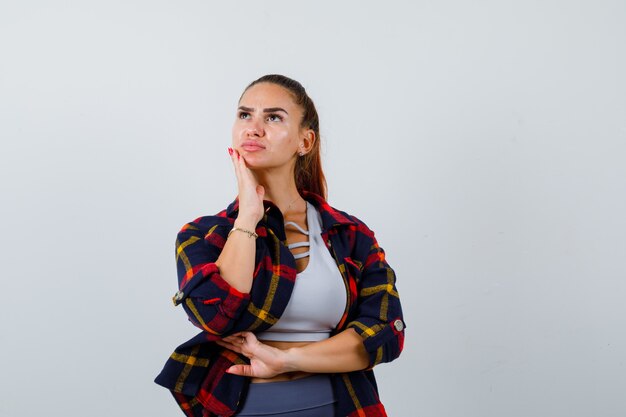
{"x":399,"y":326}
{"x":329,"y":244}
{"x":178,"y":296}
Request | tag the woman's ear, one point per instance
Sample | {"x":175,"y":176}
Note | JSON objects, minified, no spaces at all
{"x":307,"y":141}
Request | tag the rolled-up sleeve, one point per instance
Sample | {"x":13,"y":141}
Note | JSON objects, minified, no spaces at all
{"x":378,"y":319}
{"x":210,"y":302}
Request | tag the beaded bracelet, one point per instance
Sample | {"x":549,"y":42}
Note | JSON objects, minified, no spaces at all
{"x":250,"y":234}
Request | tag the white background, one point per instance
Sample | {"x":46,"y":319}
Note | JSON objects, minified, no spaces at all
{"x":483,"y":141}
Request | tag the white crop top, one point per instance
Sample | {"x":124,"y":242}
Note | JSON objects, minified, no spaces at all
{"x":319,"y":295}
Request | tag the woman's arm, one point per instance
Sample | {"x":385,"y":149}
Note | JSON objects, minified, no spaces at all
{"x":215,"y":270}
{"x":236,"y":262}
{"x":343,"y":352}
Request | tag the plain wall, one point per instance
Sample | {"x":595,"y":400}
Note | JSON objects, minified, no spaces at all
{"x":483,"y":141}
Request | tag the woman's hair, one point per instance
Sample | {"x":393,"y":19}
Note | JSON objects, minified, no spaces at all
{"x":309,"y":174}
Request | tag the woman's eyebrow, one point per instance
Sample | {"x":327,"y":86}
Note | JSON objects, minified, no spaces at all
{"x":268,"y":110}
{"x":274,"y":109}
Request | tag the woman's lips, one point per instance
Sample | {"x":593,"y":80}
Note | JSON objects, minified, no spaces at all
{"x":251,"y":146}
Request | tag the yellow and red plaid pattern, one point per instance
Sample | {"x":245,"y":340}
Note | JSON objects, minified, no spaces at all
{"x":195,"y":372}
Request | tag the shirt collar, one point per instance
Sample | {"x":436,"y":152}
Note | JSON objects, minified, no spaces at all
{"x":331,"y":217}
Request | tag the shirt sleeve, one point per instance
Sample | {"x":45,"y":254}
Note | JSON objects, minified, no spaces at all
{"x":378,"y":319}
{"x":210,"y":302}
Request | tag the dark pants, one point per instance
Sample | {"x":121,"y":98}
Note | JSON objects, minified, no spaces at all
{"x":305,"y":397}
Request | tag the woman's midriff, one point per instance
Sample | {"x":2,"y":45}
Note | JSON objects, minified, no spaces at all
{"x":287,"y":376}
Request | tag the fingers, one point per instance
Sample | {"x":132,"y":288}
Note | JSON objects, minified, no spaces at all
{"x":244,"y":370}
{"x":249,"y":193}
{"x":238,"y":342}
{"x":264,"y":360}
{"x":234,"y":157}
{"x":234,"y":345}
{"x":249,"y":336}
{"x":244,"y":176}
{"x":229,"y":343}
{"x":234,"y":340}
{"x":241,"y":338}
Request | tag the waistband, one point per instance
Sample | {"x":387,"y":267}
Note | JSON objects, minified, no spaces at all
{"x":288,"y":396}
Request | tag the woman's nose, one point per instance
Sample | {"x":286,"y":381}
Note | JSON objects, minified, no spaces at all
{"x":254,"y":128}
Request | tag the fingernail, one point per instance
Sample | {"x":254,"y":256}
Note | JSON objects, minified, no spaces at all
{"x":230,"y":151}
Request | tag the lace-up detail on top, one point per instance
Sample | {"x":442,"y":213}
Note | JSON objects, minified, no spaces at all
{"x":299,"y":244}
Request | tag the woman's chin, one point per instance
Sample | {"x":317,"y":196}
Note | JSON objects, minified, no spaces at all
{"x":253,"y":162}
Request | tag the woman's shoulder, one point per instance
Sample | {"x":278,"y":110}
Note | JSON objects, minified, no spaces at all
{"x":332,"y":216}
{"x":205,"y":223}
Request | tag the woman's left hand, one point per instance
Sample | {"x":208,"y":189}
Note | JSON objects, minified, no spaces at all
{"x":265,"y":361}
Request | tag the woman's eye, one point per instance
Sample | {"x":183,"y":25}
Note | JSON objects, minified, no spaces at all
{"x":244,"y":115}
{"x":274,"y":118}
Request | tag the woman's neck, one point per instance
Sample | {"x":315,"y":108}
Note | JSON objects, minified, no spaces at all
{"x":282,"y":191}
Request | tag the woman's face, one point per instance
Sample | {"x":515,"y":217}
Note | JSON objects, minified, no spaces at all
{"x":267,"y":130}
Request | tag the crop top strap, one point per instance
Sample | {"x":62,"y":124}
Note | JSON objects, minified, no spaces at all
{"x":299,"y":244}
{"x":305,"y":232}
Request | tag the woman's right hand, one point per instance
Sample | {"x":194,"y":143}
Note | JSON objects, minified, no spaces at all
{"x":251,"y":194}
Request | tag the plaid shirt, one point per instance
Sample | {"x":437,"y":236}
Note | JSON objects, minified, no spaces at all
{"x":195,"y":372}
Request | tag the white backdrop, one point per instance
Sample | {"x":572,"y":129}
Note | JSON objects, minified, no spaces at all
{"x":483,"y":141}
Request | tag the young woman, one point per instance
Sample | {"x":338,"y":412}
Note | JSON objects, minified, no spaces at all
{"x":294,"y":298}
